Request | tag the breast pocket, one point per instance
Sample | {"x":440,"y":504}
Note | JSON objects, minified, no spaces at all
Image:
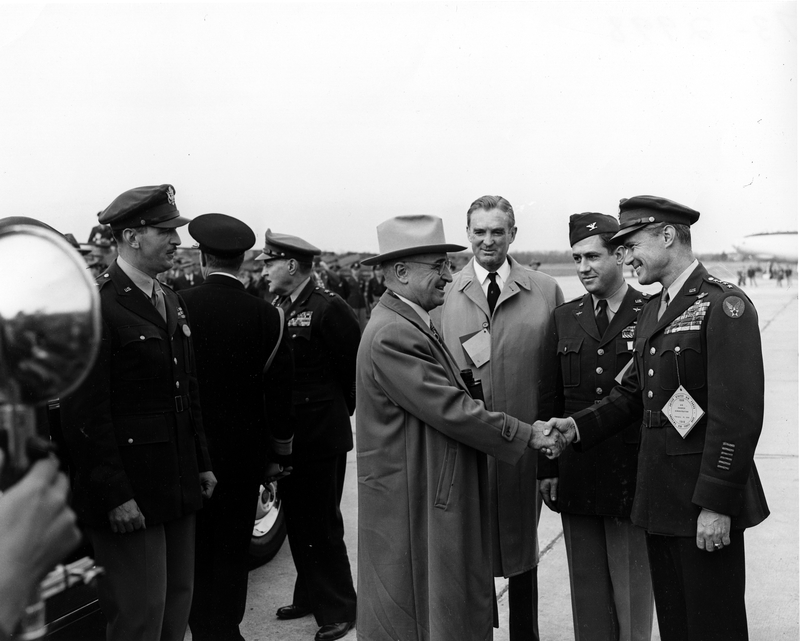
{"x":569,"y":351}
{"x":141,"y":353}
{"x":681,"y":361}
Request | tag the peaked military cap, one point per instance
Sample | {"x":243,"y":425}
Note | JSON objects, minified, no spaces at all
{"x":222,"y":235}
{"x":144,"y":206}
{"x":640,"y":211}
{"x":590,"y":224}
{"x":286,"y":246}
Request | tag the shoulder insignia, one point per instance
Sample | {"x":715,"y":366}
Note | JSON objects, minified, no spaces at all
{"x":733,"y":306}
{"x":723,"y":284}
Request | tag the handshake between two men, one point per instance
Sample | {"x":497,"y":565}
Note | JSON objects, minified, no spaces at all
{"x":553,"y":436}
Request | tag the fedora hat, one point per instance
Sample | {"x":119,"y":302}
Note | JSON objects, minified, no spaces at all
{"x":410,"y":235}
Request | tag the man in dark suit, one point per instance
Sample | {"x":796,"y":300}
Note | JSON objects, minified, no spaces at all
{"x":698,"y":383}
{"x":609,"y":575}
{"x":247,"y":415}
{"x":324,"y":334}
{"x":191,"y":276}
{"x":134,"y":429}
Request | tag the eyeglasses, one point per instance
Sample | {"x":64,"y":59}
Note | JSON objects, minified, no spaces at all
{"x":439,"y":267}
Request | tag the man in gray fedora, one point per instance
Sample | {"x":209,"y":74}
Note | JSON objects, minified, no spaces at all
{"x":425,"y":564}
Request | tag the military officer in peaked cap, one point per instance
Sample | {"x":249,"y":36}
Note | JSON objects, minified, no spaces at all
{"x":324,"y":333}
{"x":698,"y":383}
{"x":244,"y":367}
{"x":134,"y":429}
{"x":609,"y":575}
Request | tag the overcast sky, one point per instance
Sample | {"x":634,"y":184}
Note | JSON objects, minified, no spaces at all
{"x":322,"y":120}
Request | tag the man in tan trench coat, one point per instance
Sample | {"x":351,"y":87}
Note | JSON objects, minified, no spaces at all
{"x":424,"y":539}
{"x":497,"y":303}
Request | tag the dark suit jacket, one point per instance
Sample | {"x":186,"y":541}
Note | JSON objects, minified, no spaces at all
{"x":708,"y":341}
{"x":325,"y":334}
{"x":599,"y":481}
{"x":247,"y":415}
{"x":134,"y":429}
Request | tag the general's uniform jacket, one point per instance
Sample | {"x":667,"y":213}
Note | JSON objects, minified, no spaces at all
{"x":600,"y":481}
{"x":519,"y":379}
{"x":708,"y":341}
{"x":134,"y":428}
{"x":324,"y":334}
{"x":424,"y":532}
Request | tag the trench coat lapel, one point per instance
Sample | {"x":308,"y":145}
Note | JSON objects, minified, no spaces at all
{"x":133,"y":299}
{"x":399,"y":307}
{"x":472,"y":288}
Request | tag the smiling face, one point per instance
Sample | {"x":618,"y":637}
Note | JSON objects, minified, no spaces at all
{"x":490,"y":233}
{"x":599,"y":270}
{"x":153,"y":248}
{"x":424,"y":285}
{"x":647,"y":254}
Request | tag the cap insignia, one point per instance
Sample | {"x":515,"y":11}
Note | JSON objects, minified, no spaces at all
{"x":591,"y":226}
{"x":171,"y":195}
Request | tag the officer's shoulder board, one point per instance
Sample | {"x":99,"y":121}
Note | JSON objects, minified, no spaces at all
{"x":571,"y":302}
{"x":323,"y":291}
{"x":734,"y":300}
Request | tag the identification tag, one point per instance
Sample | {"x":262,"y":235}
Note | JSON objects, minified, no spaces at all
{"x":478,"y":346}
{"x":682,"y":411}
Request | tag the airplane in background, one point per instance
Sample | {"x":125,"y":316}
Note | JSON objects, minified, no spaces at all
{"x":780,"y":246}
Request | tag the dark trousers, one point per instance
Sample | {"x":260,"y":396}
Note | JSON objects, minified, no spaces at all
{"x":224,"y":528}
{"x":146,"y":592}
{"x":699,"y":595}
{"x":523,"y":606}
{"x":311,"y":497}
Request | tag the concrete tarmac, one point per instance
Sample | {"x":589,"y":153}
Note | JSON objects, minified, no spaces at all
{"x":771,"y":548}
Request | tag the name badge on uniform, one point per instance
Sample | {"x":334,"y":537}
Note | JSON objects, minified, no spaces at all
{"x":478,"y":346}
{"x":682,"y":411}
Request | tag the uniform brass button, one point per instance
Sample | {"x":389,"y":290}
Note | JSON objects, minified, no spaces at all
{"x":599,"y":390}
{"x":677,"y":348}
{"x":650,"y":394}
{"x":130,"y":440}
{"x":650,"y":372}
{"x":141,"y":338}
{"x":652,"y":350}
{"x":601,"y":351}
{"x":599,"y":370}
{"x":176,"y":360}
{"x":177,"y":383}
{"x":307,"y":400}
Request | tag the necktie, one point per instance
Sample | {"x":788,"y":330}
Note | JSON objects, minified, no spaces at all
{"x":601,"y":317}
{"x":157,"y":298}
{"x":494,"y":292}
{"x":435,"y":333}
{"x":664,"y":303}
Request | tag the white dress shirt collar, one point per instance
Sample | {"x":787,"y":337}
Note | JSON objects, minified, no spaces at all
{"x":139,"y":278}
{"x":680,"y":281}
{"x":482,"y":274}
{"x":425,"y":316}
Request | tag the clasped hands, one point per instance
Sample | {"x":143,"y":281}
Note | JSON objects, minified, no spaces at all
{"x":553,"y":436}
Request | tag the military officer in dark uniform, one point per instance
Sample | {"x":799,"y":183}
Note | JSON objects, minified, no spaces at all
{"x":134,"y":430}
{"x":324,"y":334}
{"x":609,"y":576}
{"x":698,"y":383}
{"x":247,"y":414}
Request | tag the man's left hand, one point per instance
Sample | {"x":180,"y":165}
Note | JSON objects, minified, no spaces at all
{"x":207,"y":484}
{"x":713,"y":530}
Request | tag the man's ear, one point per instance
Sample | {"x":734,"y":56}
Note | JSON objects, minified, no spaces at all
{"x":131,"y":237}
{"x":669,"y":235}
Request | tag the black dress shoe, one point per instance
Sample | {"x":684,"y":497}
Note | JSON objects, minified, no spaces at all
{"x":292,"y":612}
{"x":331,"y":631}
